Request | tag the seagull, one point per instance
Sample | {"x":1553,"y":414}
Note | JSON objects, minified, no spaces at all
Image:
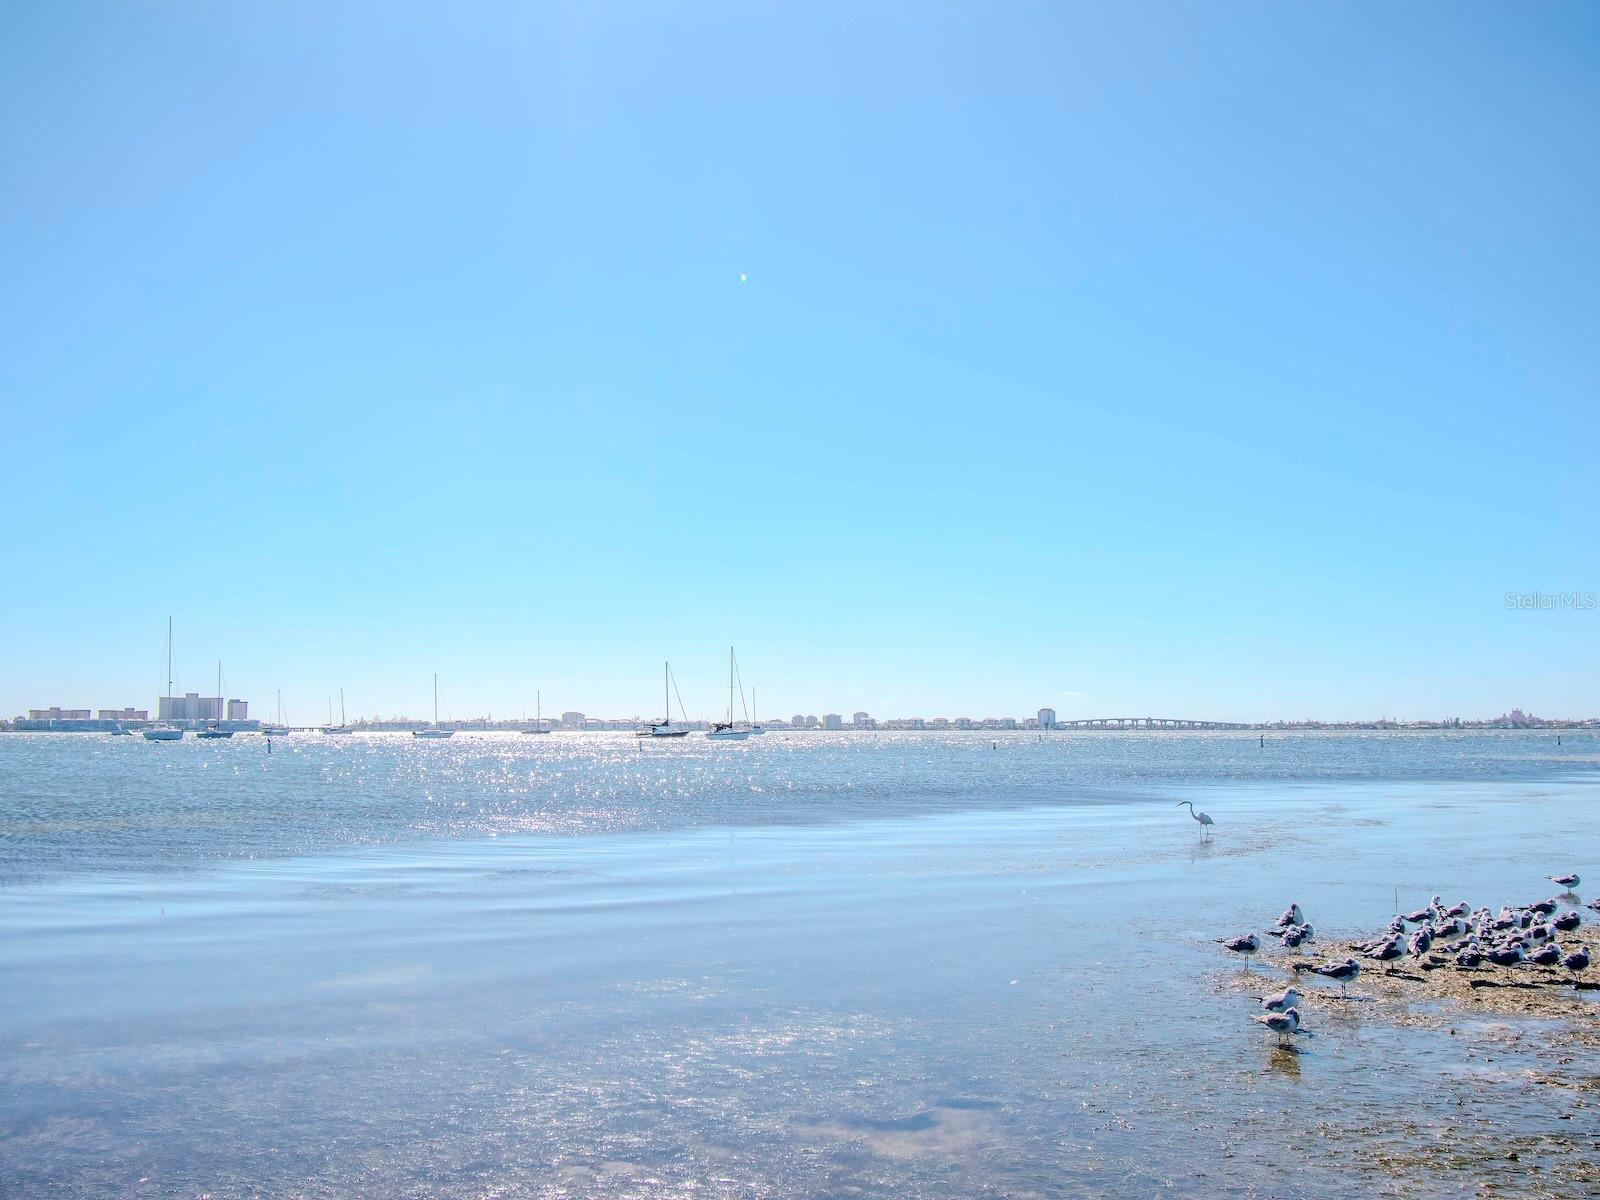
{"x":1421,"y":942}
{"x":1547,"y":955}
{"x":1594,"y":904}
{"x":1578,"y":960}
{"x":1566,"y":881}
{"x":1246,"y":945}
{"x":1419,"y":915}
{"x":1567,"y":922}
{"x":1204,"y":818}
{"x":1457,"y":910}
{"x":1291,"y":916}
{"x":1469,"y":957}
{"x":1544,"y":906}
{"x":1294,"y":936}
{"x":1281,"y":1001}
{"x":1387,"y":951}
{"x":1282,"y":1024}
{"x":1508,"y":957}
{"x":1341,"y":973}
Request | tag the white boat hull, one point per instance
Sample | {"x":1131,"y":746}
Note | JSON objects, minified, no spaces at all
{"x":163,"y":735}
{"x":728,"y":735}
{"x":432,"y":733}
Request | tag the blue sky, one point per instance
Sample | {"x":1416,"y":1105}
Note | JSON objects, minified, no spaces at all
{"x":1217,"y":361}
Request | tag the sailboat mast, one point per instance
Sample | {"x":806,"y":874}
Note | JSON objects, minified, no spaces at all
{"x":436,"y":697}
{"x":169,"y":656}
{"x":730,"y":687}
{"x":341,"y":708}
{"x":666,"y":691}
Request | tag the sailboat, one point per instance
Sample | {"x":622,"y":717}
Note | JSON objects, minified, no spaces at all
{"x":164,"y":732}
{"x":724,"y":731}
{"x":756,"y":727}
{"x":665,"y":727}
{"x":433,"y":731}
{"x":216,"y":730}
{"x":278,"y":729}
{"x":538,"y":715}
{"x":341,"y":727}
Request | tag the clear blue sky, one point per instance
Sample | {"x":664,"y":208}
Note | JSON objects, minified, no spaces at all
{"x":1197,"y":360}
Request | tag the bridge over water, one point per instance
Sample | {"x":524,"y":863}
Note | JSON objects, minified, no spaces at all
{"x":1148,"y":723}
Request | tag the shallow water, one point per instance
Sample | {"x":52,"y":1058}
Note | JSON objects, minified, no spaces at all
{"x":811,"y":966}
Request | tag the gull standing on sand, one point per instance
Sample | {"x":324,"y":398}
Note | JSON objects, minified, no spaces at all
{"x":1342,"y":973}
{"x":1291,"y":916}
{"x":1203,"y":818}
{"x":1281,"y":1001}
{"x":1246,"y":945}
{"x":1283,"y":1024}
{"x":1578,"y":960}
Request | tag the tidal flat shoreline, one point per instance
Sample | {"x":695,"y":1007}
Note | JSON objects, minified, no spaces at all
{"x":974,"y":990}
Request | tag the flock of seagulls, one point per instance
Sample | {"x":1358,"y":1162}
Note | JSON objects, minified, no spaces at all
{"x":1437,"y":936}
{"x":1469,"y":938}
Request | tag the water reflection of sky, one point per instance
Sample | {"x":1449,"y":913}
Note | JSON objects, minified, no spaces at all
{"x":1023,"y":1000}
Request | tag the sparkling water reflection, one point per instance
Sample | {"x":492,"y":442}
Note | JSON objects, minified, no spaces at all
{"x":895,"y":967}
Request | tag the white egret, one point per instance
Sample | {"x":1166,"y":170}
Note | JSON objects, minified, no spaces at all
{"x":1203,"y":818}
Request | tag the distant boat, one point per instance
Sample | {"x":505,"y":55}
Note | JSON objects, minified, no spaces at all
{"x":342,"y":726}
{"x":434,"y":731}
{"x":278,"y":729}
{"x":538,"y":715}
{"x":119,"y":731}
{"x":726,"y":731}
{"x":216,"y":730}
{"x":664,"y":728}
{"x":164,"y":732}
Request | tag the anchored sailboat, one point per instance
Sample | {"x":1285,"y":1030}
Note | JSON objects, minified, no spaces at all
{"x":165,"y":732}
{"x":279,"y":729}
{"x":538,"y":714}
{"x":725,"y":731}
{"x":342,"y":726}
{"x":216,"y":730}
{"x":665,"y":727}
{"x":434,"y":731}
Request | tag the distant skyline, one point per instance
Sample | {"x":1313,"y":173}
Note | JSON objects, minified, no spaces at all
{"x":1229,"y":363}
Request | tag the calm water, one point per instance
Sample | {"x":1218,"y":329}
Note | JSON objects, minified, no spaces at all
{"x":797,"y":966}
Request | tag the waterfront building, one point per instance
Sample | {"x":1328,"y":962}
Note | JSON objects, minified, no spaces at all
{"x":190,"y":707}
{"x":572,"y":720}
{"x":1047,"y":718}
{"x":862,"y":721}
{"x":239,"y":710}
{"x":58,"y":714}
{"x":123,"y":714}
{"x":833,"y":721}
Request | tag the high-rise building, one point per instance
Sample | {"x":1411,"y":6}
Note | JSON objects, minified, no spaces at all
{"x":572,"y":720}
{"x":862,"y":721}
{"x":833,"y":721}
{"x":124,"y":714}
{"x":190,"y":707}
{"x":58,"y":714}
{"x":238,"y":710}
{"x":1047,"y":718}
